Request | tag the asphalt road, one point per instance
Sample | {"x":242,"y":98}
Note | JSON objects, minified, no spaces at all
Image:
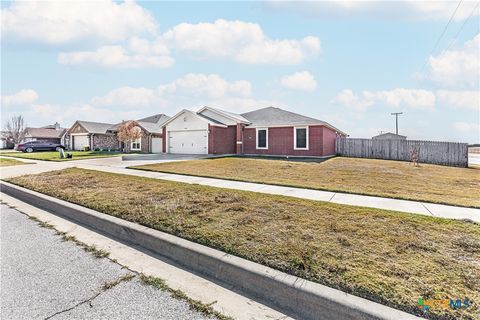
{"x":44,"y":277}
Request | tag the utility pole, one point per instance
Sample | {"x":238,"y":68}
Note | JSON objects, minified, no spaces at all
{"x":396,"y":120}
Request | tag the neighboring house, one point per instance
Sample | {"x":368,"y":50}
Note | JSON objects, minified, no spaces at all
{"x":151,"y":140}
{"x":93,"y":135}
{"x":97,"y":135}
{"x":267,"y":131}
{"x":51,"y":133}
{"x":389,"y":136}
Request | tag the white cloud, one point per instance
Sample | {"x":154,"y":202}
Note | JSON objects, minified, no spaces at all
{"x":399,"y":10}
{"x":457,"y":68}
{"x":349,"y":99}
{"x":241,"y":41}
{"x":60,"y":22}
{"x":469,"y":100}
{"x":117,"y":57}
{"x":467,"y":127}
{"x":299,"y":81}
{"x":399,"y":97}
{"x":22,"y":97}
{"x":66,"y":115}
{"x":126,"y":96}
{"x":210,"y":86}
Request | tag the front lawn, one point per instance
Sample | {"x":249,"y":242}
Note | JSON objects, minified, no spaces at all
{"x":394,"y":179}
{"x":55,"y":156}
{"x":4,"y":162}
{"x":389,"y":257}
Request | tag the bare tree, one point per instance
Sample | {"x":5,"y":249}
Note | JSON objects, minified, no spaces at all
{"x":128,"y":132}
{"x":15,"y":129}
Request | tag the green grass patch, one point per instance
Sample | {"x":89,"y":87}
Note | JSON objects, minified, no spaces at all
{"x":389,"y":257}
{"x":5,"y":162}
{"x":55,"y":156}
{"x":392,"y":179}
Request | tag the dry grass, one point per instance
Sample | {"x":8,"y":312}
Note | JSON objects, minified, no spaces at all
{"x":55,"y":156}
{"x":385,"y":256}
{"x":4,"y":162}
{"x":393,"y":179}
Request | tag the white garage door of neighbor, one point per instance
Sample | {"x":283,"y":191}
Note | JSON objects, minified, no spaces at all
{"x":156,"y":145}
{"x":188,"y":142}
{"x":80,"y":141}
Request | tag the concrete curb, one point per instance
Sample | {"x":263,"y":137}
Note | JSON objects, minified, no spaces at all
{"x":291,"y":295}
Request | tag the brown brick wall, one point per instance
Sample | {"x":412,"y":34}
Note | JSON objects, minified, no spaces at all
{"x":222,"y":140}
{"x":145,"y":144}
{"x":105,"y":141}
{"x":280,"y":142}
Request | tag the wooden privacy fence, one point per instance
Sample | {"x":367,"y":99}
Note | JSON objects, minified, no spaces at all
{"x":435,"y":152}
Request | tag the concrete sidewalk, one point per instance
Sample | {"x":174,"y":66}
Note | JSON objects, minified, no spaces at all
{"x":116,"y":165}
{"x":429,"y":209}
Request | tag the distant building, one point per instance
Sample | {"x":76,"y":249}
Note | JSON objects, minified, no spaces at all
{"x":389,"y":136}
{"x":51,"y":133}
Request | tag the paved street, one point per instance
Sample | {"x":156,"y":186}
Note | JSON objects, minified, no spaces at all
{"x":44,"y":277}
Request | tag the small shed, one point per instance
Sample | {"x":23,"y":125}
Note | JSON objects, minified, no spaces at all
{"x":389,"y":136}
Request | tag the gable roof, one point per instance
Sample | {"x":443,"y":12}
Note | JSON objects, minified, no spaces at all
{"x":389,"y":135}
{"x":94,"y":127}
{"x":233,"y":116}
{"x":200,"y":116}
{"x":271,"y":116}
{"x":156,"y":118}
{"x":152,"y":124}
{"x":44,"y":133}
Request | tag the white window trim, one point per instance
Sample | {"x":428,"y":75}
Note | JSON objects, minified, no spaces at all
{"x":295,"y":138}
{"x":266,"y":139}
{"x":139,"y":143}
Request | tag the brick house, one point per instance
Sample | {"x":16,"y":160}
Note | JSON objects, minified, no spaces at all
{"x":93,"y":135}
{"x":51,"y":133}
{"x":267,"y":131}
{"x":97,"y":135}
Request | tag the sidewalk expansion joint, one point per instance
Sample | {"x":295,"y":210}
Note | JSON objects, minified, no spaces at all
{"x":428,"y":209}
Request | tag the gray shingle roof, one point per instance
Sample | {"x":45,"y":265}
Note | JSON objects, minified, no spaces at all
{"x":236,"y":116}
{"x":95,"y":127}
{"x":152,"y":124}
{"x":271,"y":116}
{"x":44,"y":133}
{"x":157,"y":118}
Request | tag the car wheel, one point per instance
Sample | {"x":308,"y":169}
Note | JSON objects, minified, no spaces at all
{"x":29,"y":150}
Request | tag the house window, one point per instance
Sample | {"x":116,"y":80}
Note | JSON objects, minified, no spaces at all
{"x":300,"y":138}
{"x":136,"y":144}
{"x":262,"y":138}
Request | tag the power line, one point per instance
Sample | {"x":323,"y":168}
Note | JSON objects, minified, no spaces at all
{"x":463,"y":25}
{"x":443,"y":32}
{"x":446,"y":27}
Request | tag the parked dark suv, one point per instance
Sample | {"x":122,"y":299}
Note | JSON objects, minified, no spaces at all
{"x":32,"y":146}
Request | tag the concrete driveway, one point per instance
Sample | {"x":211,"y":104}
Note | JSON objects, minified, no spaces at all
{"x":44,"y":277}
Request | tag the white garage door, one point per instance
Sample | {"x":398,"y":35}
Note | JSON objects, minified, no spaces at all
{"x":188,"y":142}
{"x":156,"y":145}
{"x":80,"y":141}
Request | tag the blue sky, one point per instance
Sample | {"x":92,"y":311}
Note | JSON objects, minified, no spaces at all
{"x":350,"y":63}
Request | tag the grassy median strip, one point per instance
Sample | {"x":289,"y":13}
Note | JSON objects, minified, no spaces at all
{"x":389,"y":257}
{"x":4,"y":162}
{"x":55,"y":156}
{"x":393,"y":179}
